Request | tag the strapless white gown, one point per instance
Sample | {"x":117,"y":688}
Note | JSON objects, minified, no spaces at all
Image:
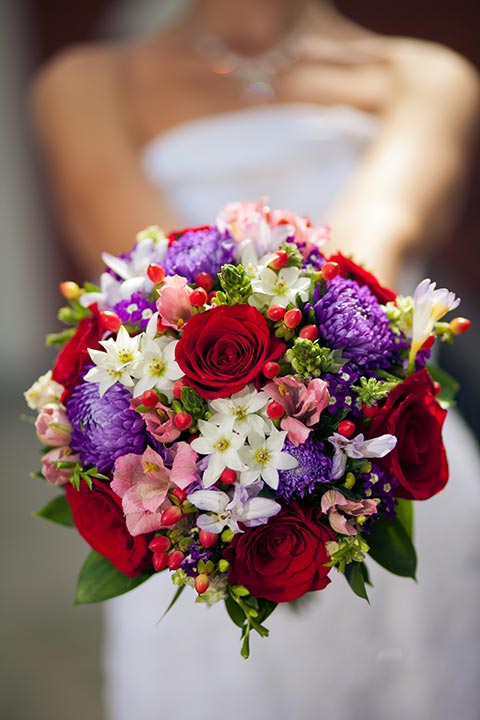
{"x":415,"y":652}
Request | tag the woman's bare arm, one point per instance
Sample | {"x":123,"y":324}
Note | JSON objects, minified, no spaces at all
{"x":405,"y":195}
{"x":101,"y":194}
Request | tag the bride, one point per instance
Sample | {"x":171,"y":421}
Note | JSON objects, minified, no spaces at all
{"x":289,"y":99}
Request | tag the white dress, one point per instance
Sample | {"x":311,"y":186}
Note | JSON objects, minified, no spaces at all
{"x":415,"y":651}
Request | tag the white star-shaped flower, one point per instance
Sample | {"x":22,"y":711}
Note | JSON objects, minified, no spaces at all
{"x":223,"y":445}
{"x":279,"y":288}
{"x":264,"y":458}
{"x":117,"y":363}
{"x":241,"y":412}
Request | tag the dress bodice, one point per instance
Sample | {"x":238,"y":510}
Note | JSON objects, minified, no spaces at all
{"x":299,"y":155}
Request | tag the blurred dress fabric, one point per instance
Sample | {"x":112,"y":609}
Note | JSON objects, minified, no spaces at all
{"x":415,"y":652}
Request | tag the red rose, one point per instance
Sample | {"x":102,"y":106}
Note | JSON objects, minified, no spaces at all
{"x":413,"y":415}
{"x":73,"y":357}
{"x":225,"y":348}
{"x":350,"y":269}
{"x":98,"y":515}
{"x":285,"y":558}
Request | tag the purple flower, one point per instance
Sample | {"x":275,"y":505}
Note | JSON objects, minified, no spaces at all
{"x":194,"y":554}
{"x":136,"y":309}
{"x":380,"y":484}
{"x":313,"y":467}
{"x":199,"y":251}
{"x":340,"y":389}
{"x":104,"y":428}
{"x":350,"y":318}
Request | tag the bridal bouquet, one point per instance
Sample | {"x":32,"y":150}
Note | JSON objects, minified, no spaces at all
{"x":235,"y":408}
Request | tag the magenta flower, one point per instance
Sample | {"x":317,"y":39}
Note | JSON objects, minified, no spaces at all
{"x":303,"y":404}
{"x":50,"y":471}
{"x":53,"y":426}
{"x":173,"y":303}
{"x":342,"y":512}
{"x":159,"y":421}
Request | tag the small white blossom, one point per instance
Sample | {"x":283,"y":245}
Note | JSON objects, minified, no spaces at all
{"x":282,"y":287}
{"x":223,"y":445}
{"x":117,"y":363}
{"x":264,"y":458}
{"x":225,"y":511}
{"x":240,"y":412}
{"x":43,"y":392}
{"x":358,"y":448}
{"x":157,"y":367}
{"x":429,"y":306}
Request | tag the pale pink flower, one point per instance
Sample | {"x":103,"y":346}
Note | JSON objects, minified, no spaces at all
{"x":52,"y":474}
{"x":53,"y":426}
{"x":338,"y":507}
{"x":303,"y":404}
{"x":173,"y":303}
{"x":159,"y":421}
{"x":241,"y":218}
{"x":312,"y":237}
{"x":143,"y":483}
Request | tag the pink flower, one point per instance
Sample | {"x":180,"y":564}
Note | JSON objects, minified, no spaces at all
{"x":159,"y":421}
{"x":338,"y":507}
{"x":303,"y":405}
{"x":173,"y":303}
{"x":52,"y":474}
{"x":312,"y":237}
{"x":143,"y":483}
{"x":53,"y":426}
{"x":241,"y":218}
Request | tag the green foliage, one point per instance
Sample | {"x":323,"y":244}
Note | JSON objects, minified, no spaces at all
{"x":99,"y":580}
{"x":309,"y":359}
{"x":79,"y":473}
{"x":248,"y":613}
{"x":371,"y":390}
{"x":405,"y":514}
{"x":60,"y":339}
{"x":236,"y":285}
{"x":357,"y":577}
{"x":193,"y":403}
{"x":449,"y":387}
{"x":392,"y":548}
{"x":57,"y":511}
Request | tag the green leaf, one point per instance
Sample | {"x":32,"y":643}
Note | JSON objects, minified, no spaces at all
{"x":449,"y":387}
{"x":99,"y":580}
{"x":57,"y":511}
{"x":392,"y":548}
{"x":245,"y":651}
{"x":266,"y":608}
{"x":180,"y":589}
{"x":357,"y":575}
{"x":405,"y":514}
{"x":235,"y":611}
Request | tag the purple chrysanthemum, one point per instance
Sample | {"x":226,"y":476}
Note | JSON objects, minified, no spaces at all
{"x":313,"y":467}
{"x":136,"y":309}
{"x":199,"y":251}
{"x":350,"y":318}
{"x":104,"y":428}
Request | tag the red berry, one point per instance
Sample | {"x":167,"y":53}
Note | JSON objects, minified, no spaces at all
{"x":275,"y":410}
{"x":428,"y":342}
{"x":180,"y":494}
{"x":155,"y":273}
{"x":160,"y":544}
{"x":175,"y":559}
{"x":370,"y":410}
{"x":207,"y":538}
{"x":271,"y":369}
{"x":177,"y":388}
{"x":293,"y":318}
{"x":149,"y":398}
{"x":228,"y":476}
{"x":171,"y":516}
{"x":346,"y":428}
{"x":202,"y":583}
{"x":459,"y":325}
{"x":183,"y":420}
{"x":330,"y":270}
{"x":276,"y":312}
{"x":110,"y":320}
{"x":198,"y":297}
{"x":160,"y":561}
{"x":280,"y":260}
{"x":309,"y":332}
{"x":204,"y":280}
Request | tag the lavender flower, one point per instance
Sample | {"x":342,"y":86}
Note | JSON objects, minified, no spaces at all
{"x":313,"y":467}
{"x":199,"y":251}
{"x":136,"y":309}
{"x":104,"y":428}
{"x":350,"y":318}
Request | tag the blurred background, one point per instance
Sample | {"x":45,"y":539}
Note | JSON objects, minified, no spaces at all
{"x":50,"y":659}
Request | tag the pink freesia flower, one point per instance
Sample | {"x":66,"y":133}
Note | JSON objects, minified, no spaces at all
{"x":303,"y":404}
{"x":53,"y":426}
{"x":52,"y":474}
{"x":338,"y":507}
{"x":173,"y":303}
{"x":159,"y":421}
{"x":143,"y":482}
